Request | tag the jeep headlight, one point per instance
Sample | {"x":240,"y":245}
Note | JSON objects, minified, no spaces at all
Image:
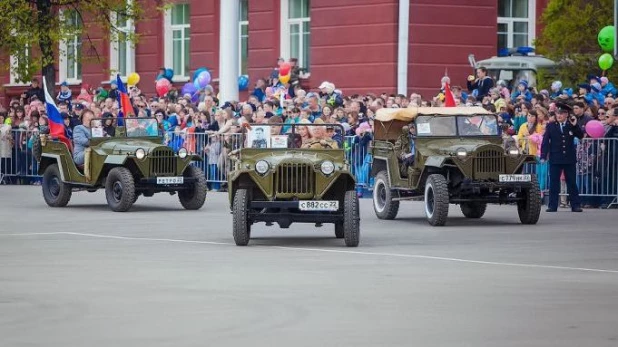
{"x":182,"y":153}
{"x":140,"y":153}
{"x":513,"y":152}
{"x":327,"y":167}
{"x":462,"y":153}
{"x":262,"y":167}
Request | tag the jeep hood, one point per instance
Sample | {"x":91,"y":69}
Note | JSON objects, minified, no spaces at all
{"x":450,"y":147}
{"x":130,"y":146}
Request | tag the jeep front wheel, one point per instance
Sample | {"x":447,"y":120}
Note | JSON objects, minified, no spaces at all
{"x":529,"y":208}
{"x":351,"y":219}
{"x":55,"y":192}
{"x":473,"y":209}
{"x":436,"y":200}
{"x":120,"y":189}
{"x":241,"y":225}
{"x":383,"y":204}
{"x":194,"y":196}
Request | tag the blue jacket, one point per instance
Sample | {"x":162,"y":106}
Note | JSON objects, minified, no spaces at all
{"x":516,"y":93}
{"x":595,"y":95}
{"x":81,"y":140}
{"x":609,"y":89}
{"x":559,"y":145}
{"x":483,"y":86}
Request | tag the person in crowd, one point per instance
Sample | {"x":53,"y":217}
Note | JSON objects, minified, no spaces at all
{"x":522,"y":93}
{"x":559,"y":146}
{"x":482,"y":84}
{"x":35,"y":90}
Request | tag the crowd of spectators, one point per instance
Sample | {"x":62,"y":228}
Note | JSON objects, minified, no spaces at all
{"x":523,"y":112}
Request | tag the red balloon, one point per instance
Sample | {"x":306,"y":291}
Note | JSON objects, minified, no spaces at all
{"x":284,"y":69}
{"x":163,"y":86}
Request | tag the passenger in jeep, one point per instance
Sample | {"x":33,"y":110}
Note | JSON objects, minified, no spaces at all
{"x":81,"y":137}
{"x":404,"y":148}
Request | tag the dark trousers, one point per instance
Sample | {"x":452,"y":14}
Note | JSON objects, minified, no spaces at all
{"x":554,"y":185}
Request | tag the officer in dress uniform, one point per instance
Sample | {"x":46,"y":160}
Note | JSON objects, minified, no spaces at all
{"x":559,"y":145}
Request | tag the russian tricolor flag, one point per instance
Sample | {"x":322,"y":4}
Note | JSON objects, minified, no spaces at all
{"x":126,"y":109}
{"x":56,"y":123}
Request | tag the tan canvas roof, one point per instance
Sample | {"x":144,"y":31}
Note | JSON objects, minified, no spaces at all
{"x":408,"y":114}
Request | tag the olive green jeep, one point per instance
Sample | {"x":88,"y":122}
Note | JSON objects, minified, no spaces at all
{"x":300,"y":176}
{"x":134,"y":162}
{"x":448,"y":155}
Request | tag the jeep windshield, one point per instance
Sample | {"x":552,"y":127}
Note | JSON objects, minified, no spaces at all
{"x":304,"y":136}
{"x":134,"y":127}
{"x":450,"y":126}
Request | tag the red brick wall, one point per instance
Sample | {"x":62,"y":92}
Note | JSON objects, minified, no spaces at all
{"x":264,"y":31}
{"x":540,"y":7}
{"x":354,"y":44}
{"x":442,"y":34}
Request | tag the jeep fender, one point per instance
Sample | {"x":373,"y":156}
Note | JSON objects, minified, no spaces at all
{"x":435,"y":161}
{"x":115,"y":159}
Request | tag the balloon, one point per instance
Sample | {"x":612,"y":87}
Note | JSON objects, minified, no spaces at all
{"x":203,"y":79}
{"x":160,"y":76}
{"x":284,"y":78}
{"x":189,"y":88}
{"x":196,"y":84}
{"x":198,"y":72}
{"x":606,"y":38}
{"x":163,"y":86}
{"x":595,"y":129}
{"x":243,"y":82}
{"x":284,"y":69}
{"x":169,"y":74}
{"x":606,"y":61}
{"x":133,"y":79}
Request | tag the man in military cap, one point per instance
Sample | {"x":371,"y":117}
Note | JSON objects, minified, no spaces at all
{"x":559,"y":145}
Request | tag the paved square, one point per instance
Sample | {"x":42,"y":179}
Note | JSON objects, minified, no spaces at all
{"x":162,"y":276}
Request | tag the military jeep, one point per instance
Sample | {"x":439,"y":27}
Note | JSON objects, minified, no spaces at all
{"x":134,"y":162}
{"x":448,"y":155}
{"x":279,"y":179}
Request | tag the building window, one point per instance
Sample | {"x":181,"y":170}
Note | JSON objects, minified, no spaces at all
{"x":71,"y":49}
{"x":122,"y":51}
{"x":516,"y":23}
{"x":295,"y":31}
{"x":20,"y":62}
{"x":244,"y":36}
{"x":177,"y":36}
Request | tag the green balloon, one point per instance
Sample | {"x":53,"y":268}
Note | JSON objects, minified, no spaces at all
{"x":606,"y":61}
{"x":606,"y":38}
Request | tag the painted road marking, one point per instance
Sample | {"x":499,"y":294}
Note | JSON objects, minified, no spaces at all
{"x":337,"y":251}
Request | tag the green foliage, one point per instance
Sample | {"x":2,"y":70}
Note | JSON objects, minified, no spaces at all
{"x":32,"y":29}
{"x":569,"y":37}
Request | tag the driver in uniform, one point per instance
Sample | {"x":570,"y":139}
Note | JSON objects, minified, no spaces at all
{"x":404,"y":148}
{"x":135,"y":128}
{"x":320,"y":139}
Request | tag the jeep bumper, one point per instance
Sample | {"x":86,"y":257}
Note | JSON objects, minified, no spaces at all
{"x":150,"y":183}
{"x":285,"y":213}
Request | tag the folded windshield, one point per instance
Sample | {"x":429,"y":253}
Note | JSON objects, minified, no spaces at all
{"x":309,"y":136}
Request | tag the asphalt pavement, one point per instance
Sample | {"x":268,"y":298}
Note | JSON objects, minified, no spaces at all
{"x":162,"y":276}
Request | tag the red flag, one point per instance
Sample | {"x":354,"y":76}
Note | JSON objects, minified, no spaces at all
{"x":449,"y":99}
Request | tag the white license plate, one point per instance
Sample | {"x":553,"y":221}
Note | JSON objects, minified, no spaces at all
{"x":313,"y":205}
{"x":170,"y":180}
{"x":515,"y":178}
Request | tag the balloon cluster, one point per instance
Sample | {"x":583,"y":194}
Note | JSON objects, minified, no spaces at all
{"x":164,"y":82}
{"x":606,"y":39}
{"x":285,"y":71}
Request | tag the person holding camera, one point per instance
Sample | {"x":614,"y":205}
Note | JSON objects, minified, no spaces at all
{"x":559,"y":145}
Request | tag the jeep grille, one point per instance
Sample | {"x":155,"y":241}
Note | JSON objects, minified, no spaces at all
{"x":162,"y":162}
{"x":294,"y":180}
{"x":489,"y":161}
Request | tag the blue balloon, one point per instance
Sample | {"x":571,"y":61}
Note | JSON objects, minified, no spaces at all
{"x":198,"y":72}
{"x":196,"y":84}
{"x":189,"y":88}
{"x":169,"y":74}
{"x":243,"y":82}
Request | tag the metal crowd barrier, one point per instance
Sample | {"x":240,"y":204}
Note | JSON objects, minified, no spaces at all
{"x":597,"y":168}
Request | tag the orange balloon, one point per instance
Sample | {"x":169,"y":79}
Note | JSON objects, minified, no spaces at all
{"x":284,"y":79}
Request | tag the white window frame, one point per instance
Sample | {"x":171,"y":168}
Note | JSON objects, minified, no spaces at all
{"x":531,"y":20}
{"x":62,"y":65}
{"x":114,"y":63}
{"x":168,"y":30}
{"x":285,"y":23}
{"x":242,"y":23}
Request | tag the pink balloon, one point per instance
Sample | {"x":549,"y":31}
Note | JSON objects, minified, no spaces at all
{"x":595,"y":129}
{"x":163,"y":86}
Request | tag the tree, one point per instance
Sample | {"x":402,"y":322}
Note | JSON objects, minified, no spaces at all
{"x":32,"y":29}
{"x":569,"y":37}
